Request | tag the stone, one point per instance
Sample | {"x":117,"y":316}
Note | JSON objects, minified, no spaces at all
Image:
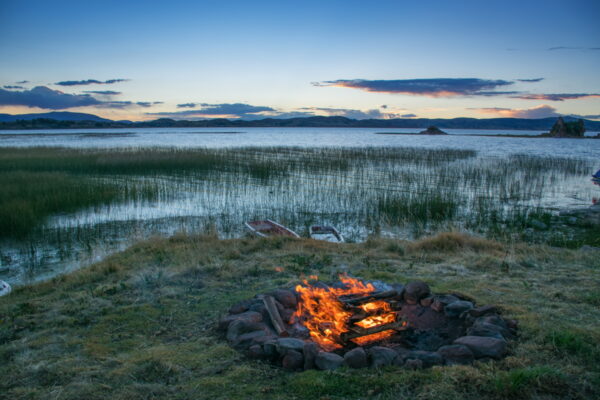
{"x":419,"y":317}
{"x":487,"y":329}
{"x":415,"y":291}
{"x":328,"y":361}
{"x":483,"y":310}
{"x":382,"y":356}
{"x":456,"y":354}
{"x":455,"y":309}
{"x":256,"y":351}
{"x":440,"y":301}
{"x":482,"y":346}
{"x":285,"y":297}
{"x":293,"y":361}
{"x":246,"y":340}
{"x":356,"y":358}
{"x":428,"y":358}
{"x":512,"y":324}
{"x":437,"y":305}
{"x":426,"y":301}
{"x":241,"y":306}
{"x":492,"y":319}
{"x":270,"y":349}
{"x":413,"y":364}
{"x":241,"y":326}
{"x":310,"y":352}
{"x":286,"y":344}
{"x":251,"y":316}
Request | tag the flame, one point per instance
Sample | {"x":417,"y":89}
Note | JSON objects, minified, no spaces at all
{"x":326,"y":317}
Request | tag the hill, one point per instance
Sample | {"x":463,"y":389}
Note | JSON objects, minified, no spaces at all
{"x":66,"y":120}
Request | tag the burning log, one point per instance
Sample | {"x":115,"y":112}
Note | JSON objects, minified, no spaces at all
{"x":367,"y":299}
{"x":278,"y":324}
{"x":356,"y":331}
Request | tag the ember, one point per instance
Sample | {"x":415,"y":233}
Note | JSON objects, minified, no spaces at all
{"x":353,"y":322}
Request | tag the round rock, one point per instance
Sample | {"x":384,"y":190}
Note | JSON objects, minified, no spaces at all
{"x":286,"y":344}
{"x":293,"y":361}
{"x":456,"y":354}
{"x":455,"y":309}
{"x":482,"y":346}
{"x":310,"y":352}
{"x":328,"y":361}
{"x":356,"y":358}
{"x":285,"y":297}
{"x":382,"y":356}
{"x":415,"y":291}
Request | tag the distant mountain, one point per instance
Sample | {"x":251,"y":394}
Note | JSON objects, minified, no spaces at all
{"x":67,"y":120}
{"x":57,"y":115}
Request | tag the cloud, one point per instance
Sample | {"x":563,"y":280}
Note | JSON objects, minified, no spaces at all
{"x":90,"y":82}
{"x":556,"y":96}
{"x":572,"y":48}
{"x":437,"y":87}
{"x":541,"y":111}
{"x":408,"y":115}
{"x":247,"y":111}
{"x":531,"y":80}
{"x":235,"y":110}
{"x":13,"y":87}
{"x":103,"y":92}
{"x":127,"y":104}
{"x":43,"y":97}
{"x":347,"y":112}
{"x":21,"y":82}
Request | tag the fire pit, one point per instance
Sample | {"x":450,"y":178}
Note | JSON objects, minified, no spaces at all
{"x":365,"y":323}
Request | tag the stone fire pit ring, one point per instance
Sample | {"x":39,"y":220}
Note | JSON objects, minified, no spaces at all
{"x":428,"y":329}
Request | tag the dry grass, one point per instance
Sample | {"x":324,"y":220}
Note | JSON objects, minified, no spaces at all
{"x":141,"y":323}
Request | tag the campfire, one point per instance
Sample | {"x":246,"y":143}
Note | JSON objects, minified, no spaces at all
{"x":359,"y":323}
{"x":354,"y":312}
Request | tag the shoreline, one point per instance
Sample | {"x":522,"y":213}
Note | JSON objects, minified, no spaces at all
{"x":492,"y":135}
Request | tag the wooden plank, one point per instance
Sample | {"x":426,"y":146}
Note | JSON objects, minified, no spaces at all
{"x":372,"y":297}
{"x":271,"y":307}
{"x":357,"y":332}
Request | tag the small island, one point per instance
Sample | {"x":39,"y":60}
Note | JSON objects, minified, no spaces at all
{"x":432,"y":130}
{"x":562,"y":129}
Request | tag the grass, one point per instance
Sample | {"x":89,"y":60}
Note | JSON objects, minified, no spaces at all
{"x":27,"y":198}
{"x":141,"y":324}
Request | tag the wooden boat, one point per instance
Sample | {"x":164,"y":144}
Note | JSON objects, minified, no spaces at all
{"x":326,"y":232}
{"x":267,"y":228}
{"x":4,"y":288}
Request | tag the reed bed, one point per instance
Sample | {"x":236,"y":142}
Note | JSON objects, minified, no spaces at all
{"x":52,"y":192}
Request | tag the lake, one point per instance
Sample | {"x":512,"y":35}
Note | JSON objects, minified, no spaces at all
{"x":364,"y":191}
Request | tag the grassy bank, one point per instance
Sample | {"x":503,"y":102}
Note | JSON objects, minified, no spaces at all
{"x":141,"y":324}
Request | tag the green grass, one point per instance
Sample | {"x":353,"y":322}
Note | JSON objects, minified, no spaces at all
{"x":141,"y":324}
{"x":27,"y":198}
{"x":424,"y":209}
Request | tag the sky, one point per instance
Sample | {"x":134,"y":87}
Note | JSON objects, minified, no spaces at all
{"x":142,"y":60}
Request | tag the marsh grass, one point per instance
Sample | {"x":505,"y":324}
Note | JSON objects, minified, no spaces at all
{"x":87,"y":196}
{"x":141,"y":324}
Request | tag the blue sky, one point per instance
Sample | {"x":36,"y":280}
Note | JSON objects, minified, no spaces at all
{"x":239,"y":59}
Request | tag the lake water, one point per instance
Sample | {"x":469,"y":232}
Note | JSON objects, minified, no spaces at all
{"x":305,"y":137}
{"x":72,"y":240}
